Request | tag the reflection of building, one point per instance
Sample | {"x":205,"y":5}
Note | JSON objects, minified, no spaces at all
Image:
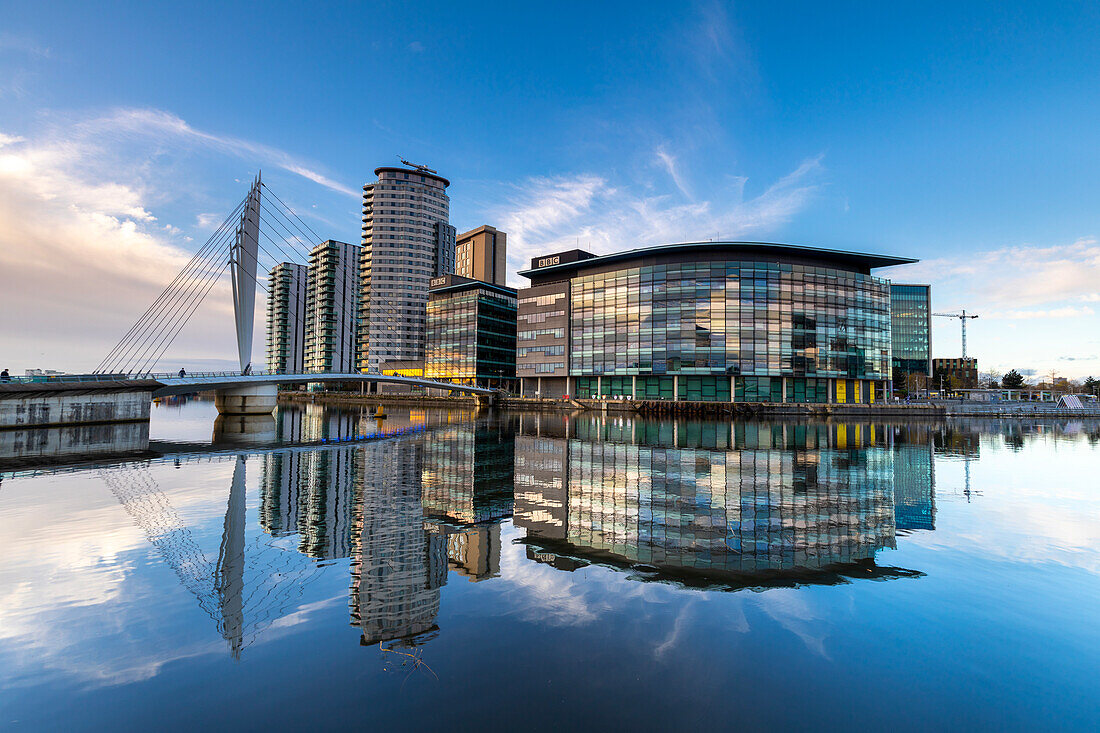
{"x":279,"y":484}
{"x":327,"y":502}
{"x":911,"y":335}
{"x":399,"y":566}
{"x":332,"y":304}
{"x":407,"y":240}
{"x":286,"y":318}
{"x":468,"y":474}
{"x":709,"y":321}
{"x":735,"y":515}
{"x":480,"y":254}
{"x":467,"y":491}
{"x":311,"y":493}
{"x":914,"y":480}
{"x":471,"y":332}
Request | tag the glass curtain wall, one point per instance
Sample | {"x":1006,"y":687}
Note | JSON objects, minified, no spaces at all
{"x":709,"y":321}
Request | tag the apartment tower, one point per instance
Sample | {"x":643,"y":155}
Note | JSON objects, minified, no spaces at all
{"x":480,"y":254}
{"x":286,"y":318}
{"x":332,"y":302}
{"x":407,"y":241}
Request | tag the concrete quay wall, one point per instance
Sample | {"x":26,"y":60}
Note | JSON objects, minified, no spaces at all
{"x":46,"y":405}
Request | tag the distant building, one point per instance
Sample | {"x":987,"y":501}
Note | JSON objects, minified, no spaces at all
{"x":957,"y":373}
{"x":481,"y":254}
{"x":332,"y":304}
{"x":286,"y":318}
{"x":911,"y":335}
{"x":471,"y":333}
{"x":407,"y":240}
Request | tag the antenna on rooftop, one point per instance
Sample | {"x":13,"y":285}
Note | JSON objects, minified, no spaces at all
{"x":417,"y":166}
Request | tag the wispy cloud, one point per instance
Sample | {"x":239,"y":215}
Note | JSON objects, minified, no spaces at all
{"x":548,"y":214}
{"x":1029,"y":298}
{"x":81,"y":249}
{"x":154,"y":123}
{"x":26,"y":45}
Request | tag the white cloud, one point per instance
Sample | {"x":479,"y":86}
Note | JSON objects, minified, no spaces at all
{"x":1020,"y":315}
{"x":154,"y":123}
{"x":1029,"y":299}
{"x":550,"y":214}
{"x":82,"y":252}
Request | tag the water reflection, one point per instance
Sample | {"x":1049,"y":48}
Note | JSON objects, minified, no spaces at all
{"x":702,"y":504}
{"x":714,"y":504}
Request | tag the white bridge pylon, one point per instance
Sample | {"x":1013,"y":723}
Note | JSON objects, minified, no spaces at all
{"x":244,"y":255}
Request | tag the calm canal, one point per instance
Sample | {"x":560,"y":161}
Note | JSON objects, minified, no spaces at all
{"x":543,"y":572}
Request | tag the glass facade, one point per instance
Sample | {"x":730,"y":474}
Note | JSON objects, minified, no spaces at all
{"x":708,"y":321}
{"x":910,"y":331}
{"x":472,"y":336}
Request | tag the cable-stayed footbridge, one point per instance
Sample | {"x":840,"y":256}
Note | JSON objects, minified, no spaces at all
{"x":260,"y":228}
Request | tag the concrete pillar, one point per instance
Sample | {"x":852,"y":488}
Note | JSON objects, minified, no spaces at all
{"x":521,"y":392}
{"x":783,"y":383}
{"x":538,"y":386}
{"x":675,"y":388}
{"x":599,"y":387}
{"x":258,"y":400}
{"x":634,"y":387}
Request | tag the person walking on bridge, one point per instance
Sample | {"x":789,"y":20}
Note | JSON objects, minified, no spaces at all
{"x":182,"y":373}
{"x":4,"y":376}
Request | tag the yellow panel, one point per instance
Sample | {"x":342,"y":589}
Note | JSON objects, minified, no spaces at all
{"x":841,"y":388}
{"x":841,"y":436}
{"x":856,"y":397}
{"x":871,"y":391}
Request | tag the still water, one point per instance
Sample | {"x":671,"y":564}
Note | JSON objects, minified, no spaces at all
{"x":547,"y":572}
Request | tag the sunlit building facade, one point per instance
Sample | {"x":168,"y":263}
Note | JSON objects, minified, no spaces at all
{"x":407,"y":240}
{"x":471,"y":333}
{"x":286,"y":318}
{"x":911,"y":335}
{"x":711,"y":321}
{"x":332,"y":305}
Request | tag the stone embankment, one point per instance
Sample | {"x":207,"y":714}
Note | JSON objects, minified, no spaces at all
{"x":706,"y":409}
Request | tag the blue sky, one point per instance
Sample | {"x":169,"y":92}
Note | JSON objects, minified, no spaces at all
{"x":965,"y":136}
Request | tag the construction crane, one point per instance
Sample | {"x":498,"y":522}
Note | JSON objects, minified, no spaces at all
{"x":962,"y":319}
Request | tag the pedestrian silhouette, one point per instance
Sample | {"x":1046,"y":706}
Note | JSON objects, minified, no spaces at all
{"x":182,"y":373}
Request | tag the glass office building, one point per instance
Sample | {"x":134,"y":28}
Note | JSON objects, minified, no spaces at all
{"x":471,"y":336}
{"x":710,"y":321}
{"x":911,"y":335}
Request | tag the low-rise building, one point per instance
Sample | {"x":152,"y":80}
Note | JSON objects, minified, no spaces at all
{"x":956,"y":373}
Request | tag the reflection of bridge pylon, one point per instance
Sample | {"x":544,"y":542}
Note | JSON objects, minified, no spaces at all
{"x":277,"y":577}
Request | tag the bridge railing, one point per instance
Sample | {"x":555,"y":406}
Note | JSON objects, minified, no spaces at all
{"x":159,"y":376}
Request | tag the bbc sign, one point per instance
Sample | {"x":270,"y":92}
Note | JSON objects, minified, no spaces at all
{"x":548,"y":261}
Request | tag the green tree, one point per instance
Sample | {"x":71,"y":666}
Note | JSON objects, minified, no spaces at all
{"x":1092,"y":386}
{"x":1012,"y":380}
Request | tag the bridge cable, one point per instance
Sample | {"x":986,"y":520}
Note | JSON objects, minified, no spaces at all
{"x":169,"y":325}
{"x":189,"y":314}
{"x":181,"y":287}
{"x":168,"y":290}
{"x":394,"y":317}
{"x":183,"y":296}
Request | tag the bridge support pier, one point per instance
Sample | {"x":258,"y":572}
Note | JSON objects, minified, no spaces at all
{"x":258,"y":400}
